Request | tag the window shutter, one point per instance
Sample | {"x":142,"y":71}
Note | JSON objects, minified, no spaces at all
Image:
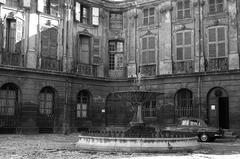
{"x":221,"y":49}
{"x":187,"y":9}
{"x":180,"y":53}
{"x":180,"y":10}
{"x":78,"y":12}
{"x":179,"y":38}
{"x":212,"y":50}
{"x":221,"y":34}
{"x":27,"y":3}
{"x":144,"y":43}
{"x":212,"y":35}
{"x":45,"y":36}
{"x":145,"y":17}
{"x":40,"y":6}
{"x":187,"y":38}
{"x":187,"y":54}
{"x":96,"y":43}
{"x":151,"y":18}
{"x":151,"y":43}
{"x":144,"y":57}
{"x":53,"y":42}
{"x":4,"y":33}
{"x":19,"y":34}
{"x":151,"y":57}
{"x":95,"y":16}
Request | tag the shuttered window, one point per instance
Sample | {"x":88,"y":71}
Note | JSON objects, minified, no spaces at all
{"x":217,"y":42}
{"x":148,"y":50}
{"x":12,"y":3}
{"x":148,"y":16}
{"x":49,"y":42}
{"x":183,"y":9}
{"x":216,"y":6}
{"x":49,"y":7}
{"x":184,"y":45}
{"x":84,"y":49}
{"x":12,"y":35}
{"x":116,"y":21}
{"x":96,"y":45}
{"x":115,"y":55}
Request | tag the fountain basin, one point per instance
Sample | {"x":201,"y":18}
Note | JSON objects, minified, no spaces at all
{"x":143,"y":145}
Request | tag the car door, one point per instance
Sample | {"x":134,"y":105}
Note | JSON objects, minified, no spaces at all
{"x":183,"y":126}
{"x":194,"y":126}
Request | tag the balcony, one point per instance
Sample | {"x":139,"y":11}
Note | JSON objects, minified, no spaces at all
{"x":148,"y":70}
{"x":117,"y":73}
{"x":50,"y":64}
{"x":217,"y":64}
{"x":85,"y":69}
{"x":183,"y":67}
{"x":12,"y":59}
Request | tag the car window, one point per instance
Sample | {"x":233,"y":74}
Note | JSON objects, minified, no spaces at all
{"x":194,"y":123}
{"x":184,"y":122}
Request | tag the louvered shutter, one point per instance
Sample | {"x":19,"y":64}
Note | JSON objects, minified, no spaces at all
{"x":78,"y":12}
{"x":144,"y":43}
{"x":179,"y":38}
{"x":53,"y":42}
{"x":187,"y":38}
{"x":180,"y":10}
{"x":151,"y":43}
{"x":219,"y":6}
{"x":221,"y":34}
{"x":40,"y":6}
{"x":180,"y":53}
{"x":187,"y":9}
{"x":221,"y":49}
{"x":95,"y":16}
{"x":187,"y":52}
{"x":212,"y":35}
{"x":45,"y":36}
{"x":96,"y":44}
{"x":212,"y":50}
{"x":151,"y":57}
{"x":4,"y":33}
{"x":19,"y":35}
{"x":144,"y":57}
{"x":151,"y":16}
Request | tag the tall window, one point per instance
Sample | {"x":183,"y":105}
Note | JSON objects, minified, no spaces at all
{"x":148,"y":16}
{"x":183,"y":9}
{"x":85,"y":14}
{"x":84,"y":44}
{"x":183,"y":45}
{"x":216,"y":6}
{"x":46,"y":101}
{"x":8,"y":100}
{"x":82,"y":104}
{"x":51,"y":7}
{"x":115,"y":55}
{"x":150,"y":110}
{"x":217,"y":42}
{"x":116,"y":21}
{"x":148,"y":50}
{"x":49,"y":41}
{"x":13,"y":3}
{"x":184,"y":103}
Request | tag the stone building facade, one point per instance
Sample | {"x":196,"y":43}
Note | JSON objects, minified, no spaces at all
{"x":60,"y":60}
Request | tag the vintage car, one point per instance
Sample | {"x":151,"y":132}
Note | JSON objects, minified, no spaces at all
{"x":202,"y":129}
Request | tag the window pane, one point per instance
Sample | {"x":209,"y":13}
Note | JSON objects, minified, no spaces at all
{"x":151,"y":11}
{"x":179,"y":53}
{"x":211,"y":1}
{"x":187,"y":53}
{"x":187,"y":38}
{"x":145,"y":12}
{"x":145,"y":21}
{"x":212,"y":35}
{"x":151,"y":43}
{"x":179,"y":38}
{"x":151,"y":57}
{"x":144,"y":43}
{"x":212,"y":9}
{"x":144,"y":57}
{"x":221,"y":49}
{"x":151,"y":20}
{"x":220,"y":8}
{"x":221,"y":34}
{"x":212,"y":50}
{"x":186,"y":4}
{"x":187,"y":13}
{"x":179,"y":5}
{"x":119,"y":46}
{"x":111,"y":46}
{"x":180,"y":14}
{"x":219,"y":1}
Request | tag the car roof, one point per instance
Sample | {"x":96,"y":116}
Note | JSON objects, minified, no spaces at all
{"x":190,"y":118}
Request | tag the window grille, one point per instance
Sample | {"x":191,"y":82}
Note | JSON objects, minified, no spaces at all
{"x":184,"y":104}
{"x":82,"y":104}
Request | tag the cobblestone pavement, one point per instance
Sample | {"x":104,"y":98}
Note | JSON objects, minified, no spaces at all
{"x":58,"y":146}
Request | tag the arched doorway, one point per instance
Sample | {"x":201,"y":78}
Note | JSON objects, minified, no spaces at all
{"x":218,"y":108}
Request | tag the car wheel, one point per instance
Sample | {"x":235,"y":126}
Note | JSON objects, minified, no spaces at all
{"x":204,"y":138}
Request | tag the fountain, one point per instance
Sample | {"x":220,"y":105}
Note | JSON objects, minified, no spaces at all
{"x":139,"y":137}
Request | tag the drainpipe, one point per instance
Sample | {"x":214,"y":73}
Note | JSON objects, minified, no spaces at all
{"x":65,"y":108}
{"x":199,"y":96}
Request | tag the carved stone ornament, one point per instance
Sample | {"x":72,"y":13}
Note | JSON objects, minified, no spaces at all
{"x":85,"y":32}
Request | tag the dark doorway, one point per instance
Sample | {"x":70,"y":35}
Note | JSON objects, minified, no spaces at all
{"x":223,"y":112}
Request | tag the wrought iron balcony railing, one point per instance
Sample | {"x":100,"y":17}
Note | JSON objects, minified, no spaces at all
{"x":85,"y":69}
{"x":117,"y":72}
{"x":183,"y":67}
{"x":148,"y":70}
{"x":13,"y":59}
{"x":50,"y":64}
{"x":217,"y":64}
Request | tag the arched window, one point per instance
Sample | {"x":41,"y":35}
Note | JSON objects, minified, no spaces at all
{"x":184,"y":103}
{"x":8,"y":100}
{"x":83,"y":103}
{"x":47,"y":101}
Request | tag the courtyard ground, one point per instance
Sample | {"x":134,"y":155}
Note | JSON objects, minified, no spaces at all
{"x":59,"y":146}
